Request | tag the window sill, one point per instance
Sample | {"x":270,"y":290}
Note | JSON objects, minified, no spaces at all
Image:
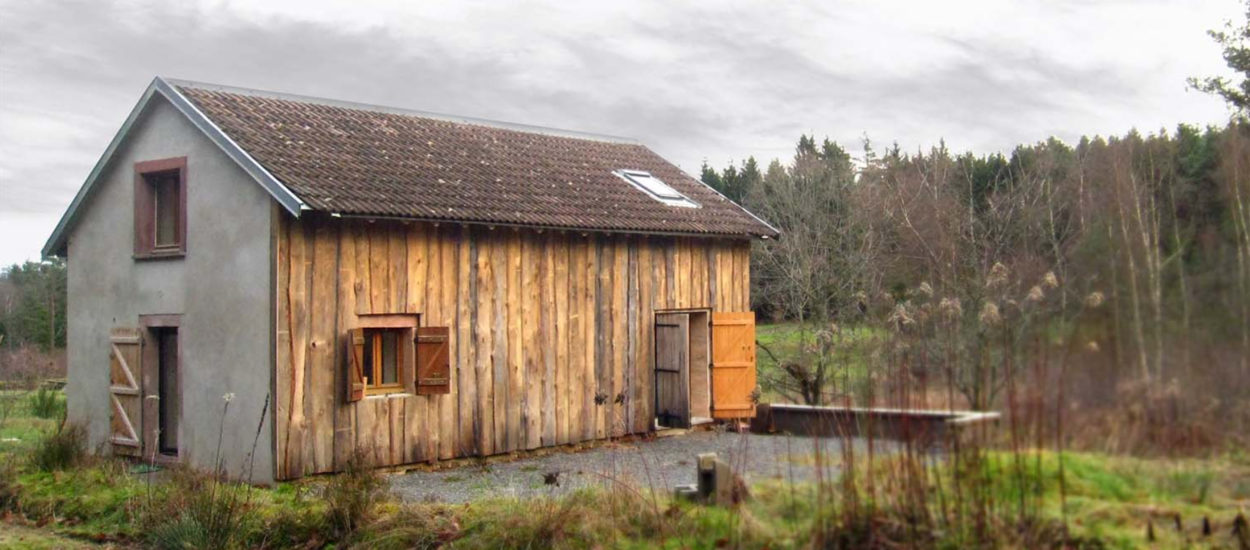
{"x":387,"y":395}
{"x":161,"y":254}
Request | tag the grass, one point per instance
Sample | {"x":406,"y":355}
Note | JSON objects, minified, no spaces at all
{"x":1110,"y":499}
{"x":785,"y":341}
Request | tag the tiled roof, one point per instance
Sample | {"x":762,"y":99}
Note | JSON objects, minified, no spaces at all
{"x":371,"y":161}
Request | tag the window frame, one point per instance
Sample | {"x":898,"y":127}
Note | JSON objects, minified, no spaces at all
{"x":150,"y":325}
{"x":145,"y":209}
{"x":633,"y":177}
{"x":374,"y":339}
{"x":405,"y":326}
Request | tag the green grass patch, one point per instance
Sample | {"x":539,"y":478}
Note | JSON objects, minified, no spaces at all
{"x":847,"y":354}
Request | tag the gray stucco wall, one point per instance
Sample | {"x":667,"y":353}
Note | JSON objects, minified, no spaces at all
{"x":222,"y":289}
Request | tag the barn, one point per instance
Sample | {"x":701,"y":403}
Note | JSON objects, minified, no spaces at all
{"x":274,"y":284}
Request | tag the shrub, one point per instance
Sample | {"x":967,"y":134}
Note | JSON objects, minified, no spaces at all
{"x":9,"y":489}
{"x":62,"y":449}
{"x":351,"y":496}
{"x":47,"y":403}
{"x":196,"y":510}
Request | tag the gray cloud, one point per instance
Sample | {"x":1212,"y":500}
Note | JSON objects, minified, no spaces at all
{"x":717,"y":81}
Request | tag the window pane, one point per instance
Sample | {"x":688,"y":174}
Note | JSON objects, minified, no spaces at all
{"x":368,"y":366}
{"x":167,"y":209}
{"x":389,"y":361}
{"x":654,"y":185}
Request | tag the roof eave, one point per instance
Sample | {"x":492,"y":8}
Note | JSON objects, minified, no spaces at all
{"x":57,"y":242}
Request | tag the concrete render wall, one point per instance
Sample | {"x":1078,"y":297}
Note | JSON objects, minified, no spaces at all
{"x":222,"y":288}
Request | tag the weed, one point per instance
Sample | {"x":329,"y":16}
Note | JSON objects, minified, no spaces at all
{"x":47,"y":403}
{"x":351,"y":495}
{"x":416,"y":527}
{"x":61,"y":449}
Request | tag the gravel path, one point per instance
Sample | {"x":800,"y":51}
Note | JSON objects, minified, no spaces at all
{"x":661,"y":463}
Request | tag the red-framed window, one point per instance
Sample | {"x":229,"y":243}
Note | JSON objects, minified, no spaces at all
{"x":161,"y":208}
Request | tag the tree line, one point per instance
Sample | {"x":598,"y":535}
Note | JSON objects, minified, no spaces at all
{"x":32,"y":304}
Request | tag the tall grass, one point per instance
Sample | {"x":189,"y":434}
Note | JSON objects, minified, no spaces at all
{"x":47,"y":403}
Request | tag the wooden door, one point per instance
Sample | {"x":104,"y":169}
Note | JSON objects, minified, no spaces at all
{"x":126,"y":417}
{"x":733,"y":365}
{"x":672,"y":370}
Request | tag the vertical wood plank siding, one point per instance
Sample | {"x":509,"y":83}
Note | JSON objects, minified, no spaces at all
{"x":552,"y":333}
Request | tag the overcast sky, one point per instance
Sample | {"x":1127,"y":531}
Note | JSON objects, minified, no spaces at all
{"x":709,"y":80}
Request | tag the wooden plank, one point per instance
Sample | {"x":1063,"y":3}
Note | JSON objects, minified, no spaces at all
{"x":577,"y":336}
{"x":530,"y":322}
{"x":644,"y":353}
{"x":466,"y":376}
{"x":418,"y":252}
{"x":348,"y":291}
{"x":560,"y":249}
{"x":379,"y":271}
{"x":398,"y":280}
{"x":396,"y":437}
{"x":632,"y":387}
{"x":548,"y":337}
{"x":284,"y":369}
{"x":382,"y":430}
{"x":712,"y":269}
{"x":670,"y":275}
{"x":416,"y":276}
{"x":448,"y":288}
{"x":620,"y":326}
{"x":744,"y":303}
{"x":514,"y":426}
{"x":299,"y":318}
{"x":485,"y":343}
{"x":431,"y":430}
{"x":603,"y":339}
{"x":594,"y":344}
{"x":698,"y":275}
{"x":363,"y":273}
{"x":322,"y":343}
{"x":499,"y":363}
{"x":366,"y":415}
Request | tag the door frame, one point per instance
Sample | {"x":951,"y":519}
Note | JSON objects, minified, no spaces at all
{"x":150,"y":367}
{"x":690,"y":313}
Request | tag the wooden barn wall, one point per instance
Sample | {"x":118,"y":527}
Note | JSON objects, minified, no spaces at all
{"x":551,"y":333}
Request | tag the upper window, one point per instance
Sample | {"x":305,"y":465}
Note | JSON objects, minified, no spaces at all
{"x":161,"y":208}
{"x":658,"y":190}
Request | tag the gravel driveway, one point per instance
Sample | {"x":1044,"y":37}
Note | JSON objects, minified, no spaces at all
{"x":660,"y":463}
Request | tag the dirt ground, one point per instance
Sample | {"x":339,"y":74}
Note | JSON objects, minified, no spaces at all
{"x":658,"y":464}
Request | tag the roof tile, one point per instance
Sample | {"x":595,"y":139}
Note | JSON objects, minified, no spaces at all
{"x":364,"y":161}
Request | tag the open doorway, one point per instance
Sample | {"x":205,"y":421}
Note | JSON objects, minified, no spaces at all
{"x":169,"y":405}
{"x":162,"y":387}
{"x":682,"y":369}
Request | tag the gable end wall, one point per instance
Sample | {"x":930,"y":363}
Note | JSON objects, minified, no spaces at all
{"x":222,"y":288}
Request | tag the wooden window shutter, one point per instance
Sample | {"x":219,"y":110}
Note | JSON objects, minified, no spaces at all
{"x":355,"y":364}
{"x":433,"y":360}
{"x":126,"y":418}
{"x":733,"y":364}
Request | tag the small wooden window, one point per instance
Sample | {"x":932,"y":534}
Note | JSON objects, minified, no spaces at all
{"x":381,"y":356}
{"x":384,"y":357}
{"x":161,"y":208}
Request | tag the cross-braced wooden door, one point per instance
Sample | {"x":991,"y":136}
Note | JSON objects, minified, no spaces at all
{"x":125,"y":394}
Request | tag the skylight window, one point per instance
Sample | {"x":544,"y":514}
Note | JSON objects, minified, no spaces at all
{"x":658,"y":190}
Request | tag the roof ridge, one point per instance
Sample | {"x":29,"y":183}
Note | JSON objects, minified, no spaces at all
{"x":456,"y":119}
